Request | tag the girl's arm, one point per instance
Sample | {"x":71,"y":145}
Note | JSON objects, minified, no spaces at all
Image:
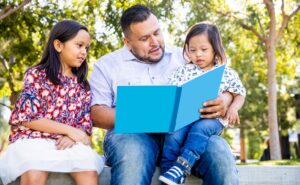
{"x":238,"y":102}
{"x":50,"y":126}
{"x":232,"y":114}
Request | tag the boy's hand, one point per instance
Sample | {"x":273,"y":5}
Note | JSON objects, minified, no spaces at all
{"x":64,"y":142}
{"x":232,"y":116}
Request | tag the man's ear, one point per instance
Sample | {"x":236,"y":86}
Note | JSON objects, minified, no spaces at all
{"x":58,"y":46}
{"x":127,"y":42}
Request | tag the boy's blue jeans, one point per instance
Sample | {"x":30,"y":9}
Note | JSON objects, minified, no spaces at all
{"x":133,"y":160}
{"x":189,"y":142}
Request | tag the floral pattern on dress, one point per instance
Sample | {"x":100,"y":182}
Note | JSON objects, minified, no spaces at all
{"x":68,"y":103}
{"x":230,"y":81}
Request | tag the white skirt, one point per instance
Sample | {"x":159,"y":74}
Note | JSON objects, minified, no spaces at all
{"x":41,"y":154}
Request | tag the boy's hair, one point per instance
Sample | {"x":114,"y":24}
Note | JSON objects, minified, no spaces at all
{"x":134,"y":14}
{"x":62,"y":31}
{"x":213,"y":36}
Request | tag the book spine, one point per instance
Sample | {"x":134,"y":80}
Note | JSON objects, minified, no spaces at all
{"x":175,"y":109}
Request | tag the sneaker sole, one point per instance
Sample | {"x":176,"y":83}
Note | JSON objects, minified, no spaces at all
{"x":167,"y":181}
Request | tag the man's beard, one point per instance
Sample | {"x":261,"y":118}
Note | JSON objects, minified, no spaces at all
{"x":148,"y":60}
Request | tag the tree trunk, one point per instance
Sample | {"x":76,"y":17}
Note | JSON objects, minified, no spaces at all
{"x":272,"y":102}
{"x":242,"y":145}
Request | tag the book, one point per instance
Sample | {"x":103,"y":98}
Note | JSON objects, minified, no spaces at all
{"x":164,"y":108}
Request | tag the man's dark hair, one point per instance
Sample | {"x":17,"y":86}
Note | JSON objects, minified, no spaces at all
{"x":134,"y":14}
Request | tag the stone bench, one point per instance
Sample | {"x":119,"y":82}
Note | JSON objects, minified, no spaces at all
{"x":248,"y":175}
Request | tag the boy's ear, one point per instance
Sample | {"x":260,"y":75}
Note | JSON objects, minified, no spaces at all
{"x":58,"y":45}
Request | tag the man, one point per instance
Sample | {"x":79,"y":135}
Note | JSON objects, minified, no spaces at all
{"x":144,"y":60}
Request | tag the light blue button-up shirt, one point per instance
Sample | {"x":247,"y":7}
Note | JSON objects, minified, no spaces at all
{"x":121,"y":67}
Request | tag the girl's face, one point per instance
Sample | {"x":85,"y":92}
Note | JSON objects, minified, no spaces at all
{"x":74,"y":51}
{"x":201,"y":52}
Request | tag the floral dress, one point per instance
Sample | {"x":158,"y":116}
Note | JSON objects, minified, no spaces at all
{"x":67,"y":103}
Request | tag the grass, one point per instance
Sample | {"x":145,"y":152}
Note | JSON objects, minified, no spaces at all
{"x":274,"y":163}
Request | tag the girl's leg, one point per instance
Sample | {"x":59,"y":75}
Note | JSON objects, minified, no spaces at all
{"x":171,"y":149}
{"x":85,"y":177}
{"x":197,"y":139}
{"x":34,"y":177}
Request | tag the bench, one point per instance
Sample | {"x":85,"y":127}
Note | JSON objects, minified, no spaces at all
{"x":248,"y":175}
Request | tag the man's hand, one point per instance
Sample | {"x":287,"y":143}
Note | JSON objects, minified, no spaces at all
{"x":214,"y":108}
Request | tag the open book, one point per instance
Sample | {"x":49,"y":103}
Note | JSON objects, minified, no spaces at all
{"x":166,"y":108}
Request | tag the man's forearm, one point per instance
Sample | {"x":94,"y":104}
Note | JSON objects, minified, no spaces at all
{"x":103,"y":116}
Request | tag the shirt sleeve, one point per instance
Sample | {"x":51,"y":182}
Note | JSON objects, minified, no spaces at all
{"x":101,"y":85}
{"x":232,"y":83}
{"x":85,"y":121}
{"x":30,"y":104}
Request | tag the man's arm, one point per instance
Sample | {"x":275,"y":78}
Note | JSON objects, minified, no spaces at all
{"x":103,"y":116}
{"x":217,"y":107}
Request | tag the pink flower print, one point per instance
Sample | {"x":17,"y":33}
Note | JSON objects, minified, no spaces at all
{"x":45,"y":93}
{"x":78,"y":105}
{"x":36,"y":134}
{"x":51,"y":108}
{"x":72,"y":107}
{"x":22,"y":116}
{"x":46,"y":134}
{"x":64,"y":107}
{"x":87,"y":117}
{"x":48,"y":116}
{"x":55,"y":113}
{"x":85,"y":123}
{"x":88,"y":99}
{"x":72,"y":92}
{"x":37,"y":86}
{"x":59,"y":102}
{"x":30,"y":79}
{"x":63,"y":92}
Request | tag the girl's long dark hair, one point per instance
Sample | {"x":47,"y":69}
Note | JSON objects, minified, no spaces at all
{"x":62,"y":31}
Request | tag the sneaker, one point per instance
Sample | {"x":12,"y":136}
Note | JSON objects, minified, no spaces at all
{"x":174,"y":176}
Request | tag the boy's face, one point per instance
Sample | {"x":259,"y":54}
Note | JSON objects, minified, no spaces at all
{"x":145,"y":40}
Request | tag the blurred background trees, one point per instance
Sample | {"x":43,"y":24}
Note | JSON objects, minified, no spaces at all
{"x":242,"y":24}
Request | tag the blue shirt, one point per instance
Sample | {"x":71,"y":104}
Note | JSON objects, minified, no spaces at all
{"x":121,"y":67}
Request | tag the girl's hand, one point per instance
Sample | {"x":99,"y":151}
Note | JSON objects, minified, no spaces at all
{"x":76,"y":134}
{"x":232,"y":116}
{"x":64,"y":142}
{"x":79,"y":135}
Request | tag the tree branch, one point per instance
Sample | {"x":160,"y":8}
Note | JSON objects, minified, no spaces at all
{"x":243,"y":25}
{"x":8,"y":10}
{"x":4,"y":62}
{"x":285,"y":20}
{"x":270,"y":7}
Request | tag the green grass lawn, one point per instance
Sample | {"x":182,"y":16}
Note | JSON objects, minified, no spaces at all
{"x":274,"y":163}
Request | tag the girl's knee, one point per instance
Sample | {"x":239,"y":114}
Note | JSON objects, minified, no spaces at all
{"x":34,"y":177}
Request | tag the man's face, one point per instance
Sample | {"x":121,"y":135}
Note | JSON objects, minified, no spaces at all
{"x":145,"y":40}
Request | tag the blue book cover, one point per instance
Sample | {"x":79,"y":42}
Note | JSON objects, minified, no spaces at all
{"x":166,"y":108}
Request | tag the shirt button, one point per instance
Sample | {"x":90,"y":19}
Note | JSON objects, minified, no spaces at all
{"x":153,"y":78}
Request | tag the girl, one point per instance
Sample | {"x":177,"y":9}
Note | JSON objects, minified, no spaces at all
{"x":50,"y":122}
{"x":203,"y":47}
